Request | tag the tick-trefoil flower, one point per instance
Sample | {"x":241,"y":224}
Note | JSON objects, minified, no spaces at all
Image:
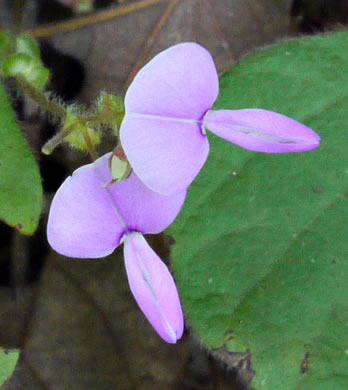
{"x":90,"y":219}
{"x":169,"y":109}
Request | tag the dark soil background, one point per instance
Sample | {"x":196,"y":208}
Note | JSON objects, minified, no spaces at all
{"x":75,"y":321}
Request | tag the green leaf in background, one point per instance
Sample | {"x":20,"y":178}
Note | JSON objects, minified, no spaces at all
{"x":20,"y":182}
{"x":4,"y":45}
{"x":261,"y":245}
{"x":8,"y":361}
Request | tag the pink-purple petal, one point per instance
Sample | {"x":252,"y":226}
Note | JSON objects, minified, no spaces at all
{"x":87,"y":218}
{"x":261,"y":130}
{"x":165,"y":154}
{"x":179,"y":82}
{"x":143,"y":210}
{"x":81,"y":221}
{"x":153,"y":288}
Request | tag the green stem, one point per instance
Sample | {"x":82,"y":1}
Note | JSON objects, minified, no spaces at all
{"x":41,"y":99}
{"x":52,"y":143}
{"x":53,"y":107}
{"x":58,"y":110}
{"x":90,"y":145}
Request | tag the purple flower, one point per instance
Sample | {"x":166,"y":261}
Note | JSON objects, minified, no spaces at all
{"x":168,"y":110}
{"x":89,"y":219}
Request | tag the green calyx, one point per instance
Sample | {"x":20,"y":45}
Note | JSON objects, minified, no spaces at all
{"x":111,"y":110}
{"x":80,"y":134}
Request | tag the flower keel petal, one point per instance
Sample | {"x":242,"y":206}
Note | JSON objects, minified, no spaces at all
{"x":261,"y":130}
{"x":153,"y":288}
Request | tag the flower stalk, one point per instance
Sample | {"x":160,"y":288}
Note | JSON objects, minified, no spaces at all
{"x":20,"y":58}
{"x":42,"y":99}
{"x":90,"y":145}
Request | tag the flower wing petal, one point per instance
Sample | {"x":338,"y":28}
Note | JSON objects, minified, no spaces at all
{"x":261,"y":130}
{"x":153,"y":288}
{"x":179,"y":82}
{"x":82,"y":222}
{"x":166,"y":155}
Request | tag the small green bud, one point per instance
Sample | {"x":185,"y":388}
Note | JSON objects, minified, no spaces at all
{"x":27,"y":45}
{"x":22,"y":64}
{"x":111,"y":109}
{"x":119,"y":166}
{"x":119,"y":169}
{"x":78,"y":130}
{"x":18,"y":64}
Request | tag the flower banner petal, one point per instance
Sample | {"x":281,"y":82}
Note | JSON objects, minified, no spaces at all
{"x":82,"y":222}
{"x":165,"y":154}
{"x":261,"y":130}
{"x":153,"y":288}
{"x":180,"y":82}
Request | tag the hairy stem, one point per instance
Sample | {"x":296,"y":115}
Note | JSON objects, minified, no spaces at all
{"x":51,"y":144}
{"x":41,"y":99}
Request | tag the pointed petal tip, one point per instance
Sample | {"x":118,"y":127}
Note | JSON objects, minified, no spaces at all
{"x":173,"y":337}
{"x":315,"y":142}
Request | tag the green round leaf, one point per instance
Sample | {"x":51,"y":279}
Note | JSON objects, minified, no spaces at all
{"x":20,"y":182}
{"x":261,"y":244}
{"x":8,"y":361}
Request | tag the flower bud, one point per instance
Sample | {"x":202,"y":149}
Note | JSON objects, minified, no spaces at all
{"x":119,"y":166}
